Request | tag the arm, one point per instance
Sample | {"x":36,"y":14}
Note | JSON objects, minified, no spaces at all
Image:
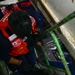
{"x":14,"y":61}
{"x":5,"y":48}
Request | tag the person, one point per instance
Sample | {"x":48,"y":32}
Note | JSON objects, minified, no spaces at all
{"x":16,"y":42}
{"x":30,"y":9}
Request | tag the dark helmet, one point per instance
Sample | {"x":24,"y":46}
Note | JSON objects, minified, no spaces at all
{"x":20,"y":23}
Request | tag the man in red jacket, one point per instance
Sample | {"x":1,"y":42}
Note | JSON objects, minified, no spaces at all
{"x":16,"y":41}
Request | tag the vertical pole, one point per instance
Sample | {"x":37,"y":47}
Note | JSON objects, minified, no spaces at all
{"x":66,"y":19}
{"x":46,"y":59}
{"x":60,"y":53}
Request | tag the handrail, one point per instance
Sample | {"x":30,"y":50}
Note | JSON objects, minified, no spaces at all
{"x":46,"y":59}
{"x":65,"y":20}
{"x":61,"y":53}
{"x":50,"y":30}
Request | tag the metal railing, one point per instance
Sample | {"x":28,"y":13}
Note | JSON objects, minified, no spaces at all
{"x":50,"y":31}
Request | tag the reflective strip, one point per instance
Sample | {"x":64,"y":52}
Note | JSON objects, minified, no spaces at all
{"x":12,"y":37}
{"x":16,"y":43}
{"x":25,"y":38}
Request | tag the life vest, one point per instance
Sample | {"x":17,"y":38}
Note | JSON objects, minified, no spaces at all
{"x":19,"y":47}
{"x":15,"y":7}
{"x":22,"y":3}
{"x":25,"y":4}
{"x":4,"y":10}
{"x":34,"y":27}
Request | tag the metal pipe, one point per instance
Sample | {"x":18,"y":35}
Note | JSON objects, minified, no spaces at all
{"x":60,"y":53}
{"x":46,"y":59}
{"x":52,"y":67}
{"x":66,"y":19}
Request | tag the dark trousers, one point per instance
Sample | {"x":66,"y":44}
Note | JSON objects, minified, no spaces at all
{"x":29,"y":58}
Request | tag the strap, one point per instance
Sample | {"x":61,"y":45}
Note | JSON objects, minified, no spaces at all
{"x":9,"y":32}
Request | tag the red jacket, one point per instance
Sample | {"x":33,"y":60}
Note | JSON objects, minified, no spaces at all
{"x":19,"y":47}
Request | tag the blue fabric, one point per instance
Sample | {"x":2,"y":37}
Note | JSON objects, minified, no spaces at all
{"x":1,"y":15}
{"x":29,"y":58}
{"x":36,"y":14}
{"x":5,"y":47}
{"x":60,"y":65}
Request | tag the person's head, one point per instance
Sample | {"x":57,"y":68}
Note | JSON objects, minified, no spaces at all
{"x":20,"y":23}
